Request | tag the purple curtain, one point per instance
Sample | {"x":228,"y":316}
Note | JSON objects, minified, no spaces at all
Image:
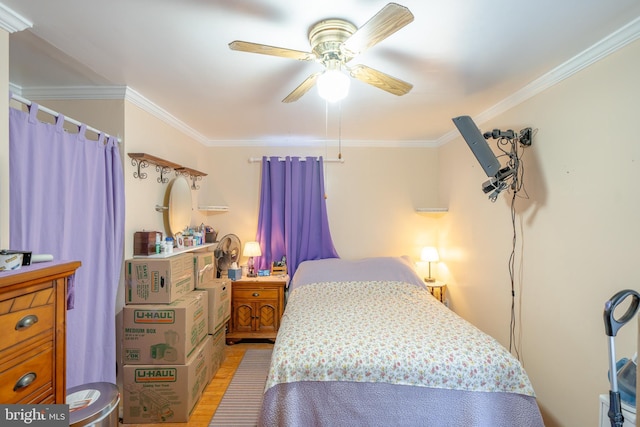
{"x":293,"y":213}
{"x":67,"y":199}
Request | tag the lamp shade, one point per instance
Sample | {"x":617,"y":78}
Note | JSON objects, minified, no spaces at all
{"x":252,"y":249}
{"x":430,"y":254}
{"x":333,"y":85}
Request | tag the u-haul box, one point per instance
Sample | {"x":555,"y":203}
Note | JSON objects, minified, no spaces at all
{"x":158,"y":280}
{"x":164,"y":333}
{"x":204,"y":267}
{"x":219,"y":297}
{"x":165,"y":393}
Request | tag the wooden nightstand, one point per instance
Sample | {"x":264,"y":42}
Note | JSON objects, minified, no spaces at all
{"x":438,"y":290}
{"x":257,"y":304}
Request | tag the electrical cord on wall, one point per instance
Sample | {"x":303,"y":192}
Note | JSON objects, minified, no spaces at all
{"x":514,"y":149}
{"x":512,"y":260}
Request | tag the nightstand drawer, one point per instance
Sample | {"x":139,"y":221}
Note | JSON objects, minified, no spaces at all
{"x":255,"y":293}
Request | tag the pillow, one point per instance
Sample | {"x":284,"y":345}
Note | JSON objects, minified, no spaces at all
{"x":342,"y":270}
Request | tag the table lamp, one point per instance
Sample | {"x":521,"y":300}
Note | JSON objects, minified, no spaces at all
{"x":251,"y":249}
{"x":429,"y":254}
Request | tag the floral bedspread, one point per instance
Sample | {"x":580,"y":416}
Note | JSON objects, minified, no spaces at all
{"x":391,"y":332}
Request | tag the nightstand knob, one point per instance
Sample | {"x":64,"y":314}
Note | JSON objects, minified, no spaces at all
{"x":255,"y":294}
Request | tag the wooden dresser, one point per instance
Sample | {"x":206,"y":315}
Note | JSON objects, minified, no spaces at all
{"x":33,"y":324}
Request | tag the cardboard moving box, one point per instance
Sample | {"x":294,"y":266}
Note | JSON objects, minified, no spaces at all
{"x":204,"y":267}
{"x":216,"y":357}
{"x":166,"y":393}
{"x":219,"y":297}
{"x":164,"y":333}
{"x":158,"y":280}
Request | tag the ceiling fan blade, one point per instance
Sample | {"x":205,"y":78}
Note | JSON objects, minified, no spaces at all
{"x":380,"y":80}
{"x":303,"y":88}
{"x":387,"y":21}
{"x":271,"y":50}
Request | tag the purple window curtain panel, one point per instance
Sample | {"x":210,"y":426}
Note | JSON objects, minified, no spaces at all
{"x":67,"y":199}
{"x":293,"y":213}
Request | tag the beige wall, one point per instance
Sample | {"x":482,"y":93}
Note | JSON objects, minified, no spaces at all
{"x":579,"y":234}
{"x":371,"y":197}
{"x":4,"y":140}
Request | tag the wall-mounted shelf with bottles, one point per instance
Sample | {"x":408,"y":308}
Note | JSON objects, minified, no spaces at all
{"x":176,"y":251}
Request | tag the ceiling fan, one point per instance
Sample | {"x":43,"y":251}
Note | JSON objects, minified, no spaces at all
{"x":335,"y":42}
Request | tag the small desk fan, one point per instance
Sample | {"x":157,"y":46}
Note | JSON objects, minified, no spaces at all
{"x":227,"y":252}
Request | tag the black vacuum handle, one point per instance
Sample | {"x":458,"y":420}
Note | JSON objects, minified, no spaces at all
{"x":611,"y":324}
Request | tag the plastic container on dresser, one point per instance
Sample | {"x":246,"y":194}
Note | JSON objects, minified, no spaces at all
{"x":33,"y":320}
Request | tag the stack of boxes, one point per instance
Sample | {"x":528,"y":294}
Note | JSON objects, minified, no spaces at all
{"x":169,"y":353}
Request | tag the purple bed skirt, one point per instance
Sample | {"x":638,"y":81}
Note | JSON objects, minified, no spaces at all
{"x":353,"y":404}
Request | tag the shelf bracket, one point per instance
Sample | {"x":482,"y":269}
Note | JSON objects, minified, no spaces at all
{"x":193,"y":182}
{"x":163,"y":167}
{"x":193,"y":175}
{"x":162,"y":179}
{"x":141,"y":164}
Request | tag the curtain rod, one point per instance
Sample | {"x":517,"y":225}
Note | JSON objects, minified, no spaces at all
{"x":55,"y":114}
{"x":302,"y":159}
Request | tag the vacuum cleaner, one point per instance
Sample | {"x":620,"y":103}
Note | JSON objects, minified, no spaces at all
{"x":611,"y":327}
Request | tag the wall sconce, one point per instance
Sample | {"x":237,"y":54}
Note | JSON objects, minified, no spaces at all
{"x":333,"y":84}
{"x":429,"y":254}
{"x":251,"y":249}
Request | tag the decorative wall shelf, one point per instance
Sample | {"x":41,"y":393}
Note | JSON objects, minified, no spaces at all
{"x":193,"y":174}
{"x":213,"y":208}
{"x":432,"y":211}
{"x":143,"y":160}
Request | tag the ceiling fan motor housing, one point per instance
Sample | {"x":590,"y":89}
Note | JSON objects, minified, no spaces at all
{"x":326,"y":38}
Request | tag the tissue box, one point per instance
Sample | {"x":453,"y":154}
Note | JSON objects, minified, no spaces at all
{"x":235,"y":273}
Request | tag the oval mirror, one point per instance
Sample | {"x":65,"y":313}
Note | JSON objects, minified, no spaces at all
{"x":178,"y":200}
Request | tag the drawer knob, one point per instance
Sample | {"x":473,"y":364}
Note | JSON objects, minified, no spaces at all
{"x":26,"y":322}
{"x":255,"y":294}
{"x":25,"y":380}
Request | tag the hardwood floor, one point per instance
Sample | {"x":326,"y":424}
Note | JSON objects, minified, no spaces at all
{"x":208,"y":403}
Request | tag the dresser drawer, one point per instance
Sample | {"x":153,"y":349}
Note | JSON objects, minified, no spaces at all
{"x":255,"y":293}
{"x":26,"y":316}
{"x":29,"y":377}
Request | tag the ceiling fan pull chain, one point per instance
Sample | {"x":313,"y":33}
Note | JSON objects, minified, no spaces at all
{"x":340,"y":130}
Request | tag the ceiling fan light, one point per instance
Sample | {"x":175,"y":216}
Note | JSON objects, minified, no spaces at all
{"x":333,"y":85}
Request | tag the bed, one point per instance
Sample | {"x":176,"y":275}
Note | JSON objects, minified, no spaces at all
{"x":363,"y":343}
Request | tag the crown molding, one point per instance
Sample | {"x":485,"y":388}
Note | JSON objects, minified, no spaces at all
{"x":302,"y":141}
{"x":593,"y":54}
{"x":610,"y":44}
{"x":11,"y":21}
{"x":73,"y":92}
{"x":150,"y":107}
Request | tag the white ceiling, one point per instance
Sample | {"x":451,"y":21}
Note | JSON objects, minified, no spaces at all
{"x":462,"y":56}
